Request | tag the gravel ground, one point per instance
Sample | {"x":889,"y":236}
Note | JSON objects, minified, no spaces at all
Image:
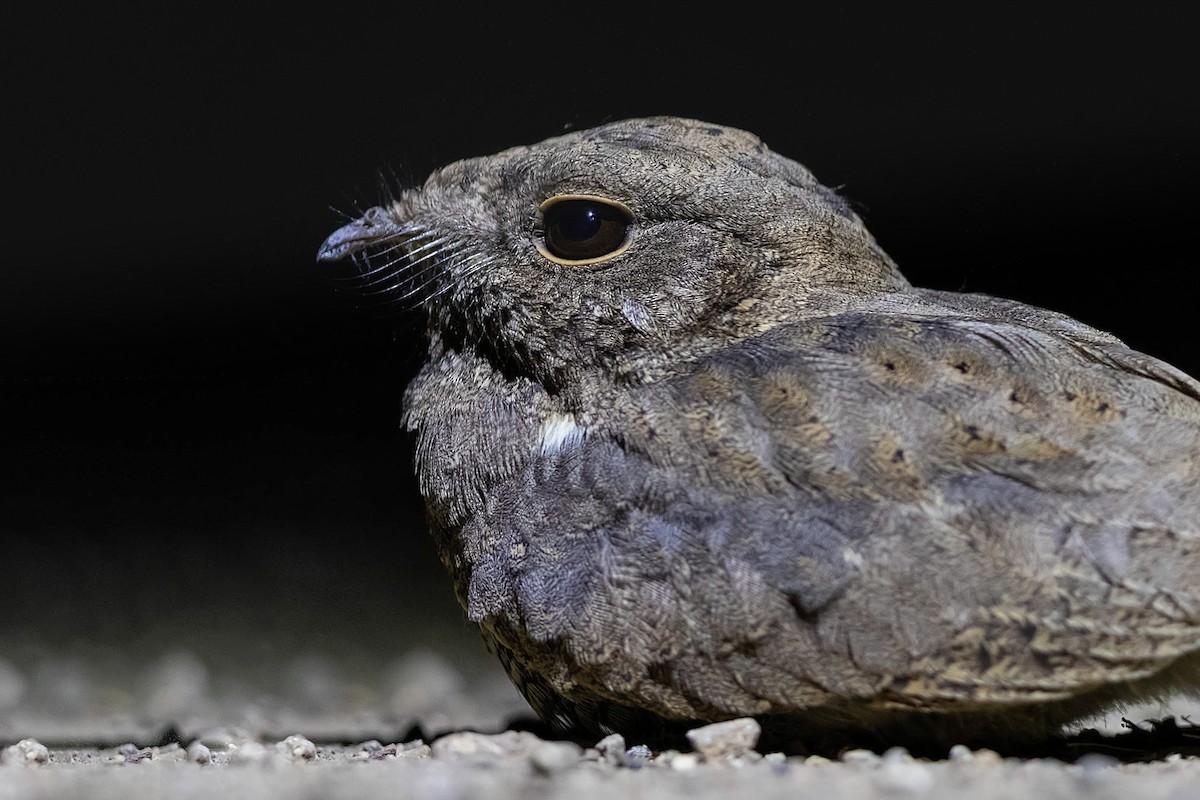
{"x":522,"y":766}
{"x":518,"y":764}
{"x":419,"y":728}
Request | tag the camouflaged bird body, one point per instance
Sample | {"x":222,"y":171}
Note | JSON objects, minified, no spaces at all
{"x":934,"y":501}
{"x":738,"y":465}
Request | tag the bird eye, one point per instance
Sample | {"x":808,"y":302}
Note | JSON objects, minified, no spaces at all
{"x":583,"y":230}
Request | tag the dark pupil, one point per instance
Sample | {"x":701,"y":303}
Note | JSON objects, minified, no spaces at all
{"x":577,"y":230}
{"x":580,"y":224}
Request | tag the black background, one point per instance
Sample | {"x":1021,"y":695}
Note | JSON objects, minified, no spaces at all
{"x":197,"y":431}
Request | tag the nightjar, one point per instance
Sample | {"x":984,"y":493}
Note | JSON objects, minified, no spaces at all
{"x":692,"y":448}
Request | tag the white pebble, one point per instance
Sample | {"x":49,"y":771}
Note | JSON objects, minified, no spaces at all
{"x":468,"y":744}
{"x":685,"y":762}
{"x":414,"y":749}
{"x":168,"y":753}
{"x":551,"y":757}
{"x":612,"y":748}
{"x":27,"y":753}
{"x":860,"y":758}
{"x":198,"y":753}
{"x":298,"y":748}
{"x":724,"y":740}
{"x":961,"y":753}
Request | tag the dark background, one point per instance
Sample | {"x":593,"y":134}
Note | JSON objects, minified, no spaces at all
{"x":198,"y":434}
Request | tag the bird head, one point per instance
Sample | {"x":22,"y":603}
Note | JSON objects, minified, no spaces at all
{"x":585,"y":249}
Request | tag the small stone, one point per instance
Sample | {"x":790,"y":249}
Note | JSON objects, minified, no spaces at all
{"x":551,"y":757}
{"x":26,"y":753}
{"x":612,"y":748}
{"x":815,"y":760}
{"x":962,"y":754}
{"x":220,"y":738}
{"x":387,"y":751}
{"x":724,"y":740}
{"x":422,"y":750}
{"x":198,"y":753}
{"x":860,"y":758}
{"x":685,"y":762}
{"x":298,"y":748}
{"x":986,"y":756}
{"x":774,"y":758}
{"x":136,"y":755}
{"x":465,"y":744}
{"x":168,"y":753}
{"x":637,"y":757}
{"x":468,"y":744}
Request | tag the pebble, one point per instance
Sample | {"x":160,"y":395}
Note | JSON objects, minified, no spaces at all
{"x":860,"y":758}
{"x":612,"y":748}
{"x":988,"y":757}
{"x":468,"y":744}
{"x":132,"y":754}
{"x":685,"y":762}
{"x":551,"y":757}
{"x":372,"y":750}
{"x":198,"y":753}
{"x":961,"y":753}
{"x":27,"y":752}
{"x":225,"y":738}
{"x":725,"y":740}
{"x":168,"y":753}
{"x":298,"y":748}
{"x":637,"y":757}
{"x":414,"y":749}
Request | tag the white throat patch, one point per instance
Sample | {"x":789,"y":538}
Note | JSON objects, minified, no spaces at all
{"x":559,"y":431}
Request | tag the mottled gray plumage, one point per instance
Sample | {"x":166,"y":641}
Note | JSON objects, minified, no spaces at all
{"x":743,"y":467}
